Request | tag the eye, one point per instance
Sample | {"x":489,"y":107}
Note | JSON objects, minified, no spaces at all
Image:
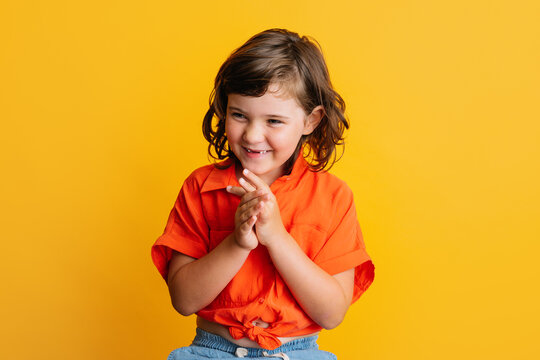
{"x":238,"y":115}
{"x":275,"y":122}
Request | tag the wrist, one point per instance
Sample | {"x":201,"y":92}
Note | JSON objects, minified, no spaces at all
{"x":276,"y":240}
{"x":236,"y":245}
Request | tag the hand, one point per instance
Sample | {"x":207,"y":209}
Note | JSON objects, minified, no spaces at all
{"x":268,"y":225}
{"x":246,"y":216}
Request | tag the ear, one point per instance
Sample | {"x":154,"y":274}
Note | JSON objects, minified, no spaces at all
{"x":313,"y":119}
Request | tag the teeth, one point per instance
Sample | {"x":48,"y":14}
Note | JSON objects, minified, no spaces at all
{"x":258,"y":152}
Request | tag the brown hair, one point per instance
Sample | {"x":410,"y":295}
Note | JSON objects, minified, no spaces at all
{"x":296,"y":64}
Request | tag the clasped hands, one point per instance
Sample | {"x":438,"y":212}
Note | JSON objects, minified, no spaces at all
{"x":257,"y":218}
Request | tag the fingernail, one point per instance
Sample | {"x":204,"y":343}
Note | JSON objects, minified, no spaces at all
{"x":246,"y":171}
{"x":229,"y":187}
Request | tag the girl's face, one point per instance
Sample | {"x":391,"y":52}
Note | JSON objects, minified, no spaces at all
{"x":263,"y":132}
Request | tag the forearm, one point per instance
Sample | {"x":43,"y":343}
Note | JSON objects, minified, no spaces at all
{"x":197,"y":283}
{"x":320,"y":295}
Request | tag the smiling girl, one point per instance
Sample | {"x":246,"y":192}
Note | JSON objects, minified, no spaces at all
{"x":264,"y":246}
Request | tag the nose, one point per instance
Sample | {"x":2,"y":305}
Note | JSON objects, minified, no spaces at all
{"x":253,"y":133}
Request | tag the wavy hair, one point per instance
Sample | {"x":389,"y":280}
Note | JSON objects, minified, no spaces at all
{"x":296,"y":64}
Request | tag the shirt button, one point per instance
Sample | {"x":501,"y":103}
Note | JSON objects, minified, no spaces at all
{"x":261,"y":300}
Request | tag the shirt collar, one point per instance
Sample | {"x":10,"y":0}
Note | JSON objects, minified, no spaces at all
{"x":221,"y":178}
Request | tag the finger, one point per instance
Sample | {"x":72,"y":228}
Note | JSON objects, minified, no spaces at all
{"x":236,"y":190}
{"x":246,"y":185}
{"x":254,"y":180}
{"x":255,"y":203}
{"x":261,"y":209}
{"x":250,"y":196}
{"x":245,"y":214}
{"x":262,"y":197}
{"x":248,"y":224}
{"x":248,"y":205}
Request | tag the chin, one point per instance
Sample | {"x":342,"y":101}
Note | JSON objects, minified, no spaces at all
{"x":257,"y":170}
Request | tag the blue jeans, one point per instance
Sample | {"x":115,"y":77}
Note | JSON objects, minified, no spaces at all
{"x":210,"y":346}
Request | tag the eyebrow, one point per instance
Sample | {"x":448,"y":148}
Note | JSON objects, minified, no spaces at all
{"x":267,"y":115}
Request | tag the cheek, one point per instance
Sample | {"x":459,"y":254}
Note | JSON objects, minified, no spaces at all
{"x":231,"y":131}
{"x":286,"y":139}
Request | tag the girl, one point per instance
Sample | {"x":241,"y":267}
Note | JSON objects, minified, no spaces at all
{"x":263,"y":246}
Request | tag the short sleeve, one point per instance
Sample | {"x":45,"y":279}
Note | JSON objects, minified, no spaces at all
{"x":345,"y":249}
{"x":186,"y":230}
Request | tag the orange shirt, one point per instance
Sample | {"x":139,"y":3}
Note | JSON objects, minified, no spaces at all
{"x":318,"y":211}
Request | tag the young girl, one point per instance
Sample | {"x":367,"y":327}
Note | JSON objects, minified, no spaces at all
{"x":264,"y":246}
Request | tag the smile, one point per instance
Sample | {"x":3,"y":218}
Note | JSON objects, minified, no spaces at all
{"x":257,"y":151}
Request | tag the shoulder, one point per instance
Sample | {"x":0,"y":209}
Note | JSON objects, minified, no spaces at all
{"x":196,"y":180}
{"x":332,"y":185}
{"x":201,"y":174}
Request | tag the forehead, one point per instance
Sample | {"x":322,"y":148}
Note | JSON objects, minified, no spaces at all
{"x":274,"y":99}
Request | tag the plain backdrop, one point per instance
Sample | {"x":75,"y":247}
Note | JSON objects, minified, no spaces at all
{"x":101,"y":106}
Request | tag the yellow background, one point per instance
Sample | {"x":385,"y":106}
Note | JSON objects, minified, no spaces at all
{"x":101,"y":105}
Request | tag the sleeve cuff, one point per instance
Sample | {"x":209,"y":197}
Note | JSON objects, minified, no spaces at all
{"x":162,"y":250}
{"x":345,"y":262}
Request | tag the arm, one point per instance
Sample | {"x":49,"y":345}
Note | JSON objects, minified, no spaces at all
{"x":325,"y":298}
{"x":195,"y":283}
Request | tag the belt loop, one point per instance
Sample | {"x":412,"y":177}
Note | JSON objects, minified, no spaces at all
{"x":277,"y":355}
{"x":241,"y":352}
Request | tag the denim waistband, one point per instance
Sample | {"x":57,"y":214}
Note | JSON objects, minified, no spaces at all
{"x":212,"y":341}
